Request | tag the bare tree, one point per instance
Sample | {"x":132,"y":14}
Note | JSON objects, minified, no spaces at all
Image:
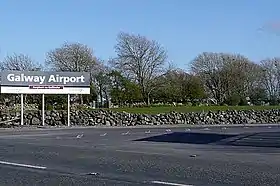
{"x":142,"y":59}
{"x":19,"y":62}
{"x":225,"y":75}
{"x":73,"y":57}
{"x":242,"y":76}
{"x":271,"y":76}
{"x":209,"y":67}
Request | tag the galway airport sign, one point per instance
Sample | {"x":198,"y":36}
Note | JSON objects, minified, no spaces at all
{"x":37,"y":82}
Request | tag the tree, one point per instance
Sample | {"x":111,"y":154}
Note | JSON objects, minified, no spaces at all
{"x":226,"y":75}
{"x":179,"y":86}
{"x":271,"y":77}
{"x":89,"y":98}
{"x":101,"y":80}
{"x":131,"y":92}
{"x":242,"y":76}
{"x":171,"y":89}
{"x":19,"y":62}
{"x":141,"y":59}
{"x":123,"y":90}
{"x":116,"y":87}
{"x":209,"y":67}
{"x":192,"y":88}
{"x":71,"y":57}
{"x":258,"y":95}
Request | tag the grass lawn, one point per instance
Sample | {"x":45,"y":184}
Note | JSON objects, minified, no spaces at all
{"x":182,"y":109}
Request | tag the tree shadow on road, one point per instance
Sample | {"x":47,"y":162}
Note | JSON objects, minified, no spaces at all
{"x":261,"y":139}
{"x":187,"y":137}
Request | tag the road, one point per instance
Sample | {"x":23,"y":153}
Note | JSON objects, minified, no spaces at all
{"x":154,"y":156}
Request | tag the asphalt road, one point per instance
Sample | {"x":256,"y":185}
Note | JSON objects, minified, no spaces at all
{"x":155,"y":156}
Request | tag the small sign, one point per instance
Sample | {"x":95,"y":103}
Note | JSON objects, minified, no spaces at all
{"x":46,"y":87}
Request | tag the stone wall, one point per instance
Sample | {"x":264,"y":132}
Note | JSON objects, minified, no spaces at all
{"x":109,"y":118}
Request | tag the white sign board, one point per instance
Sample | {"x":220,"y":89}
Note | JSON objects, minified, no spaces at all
{"x":37,"y":82}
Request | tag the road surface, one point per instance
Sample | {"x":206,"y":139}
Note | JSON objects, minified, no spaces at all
{"x":154,"y":156}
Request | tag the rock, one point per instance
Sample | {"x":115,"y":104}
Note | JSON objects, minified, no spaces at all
{"x":35,"y":121}
{"x":107,"y":123}
{"x":251,"y":121}
{"x":59,"y":123}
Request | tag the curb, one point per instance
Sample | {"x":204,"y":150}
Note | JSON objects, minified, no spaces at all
{"x":134,"y":127}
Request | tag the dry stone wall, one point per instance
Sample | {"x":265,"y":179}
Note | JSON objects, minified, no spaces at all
{"x":110,"y":118}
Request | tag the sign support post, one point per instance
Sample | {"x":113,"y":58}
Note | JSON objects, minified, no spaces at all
{"x":68,"y":110}
{"x":21,"y":109}
{"x":43,"y":109}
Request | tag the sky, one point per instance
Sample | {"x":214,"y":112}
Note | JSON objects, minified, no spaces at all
{"x":184,"y":27}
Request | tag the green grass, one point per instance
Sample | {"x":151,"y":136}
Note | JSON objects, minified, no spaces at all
{"x":183,"y":109}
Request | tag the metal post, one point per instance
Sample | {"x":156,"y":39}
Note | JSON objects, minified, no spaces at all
{"x":43,"y":109}
{"x":68,"y":110}
{"x":21,"y":110}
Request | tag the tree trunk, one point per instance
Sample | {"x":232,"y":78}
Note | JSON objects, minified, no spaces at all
{"x":81,"y":99}
{"x":101,"y":97}
{"x":25,"y":98}
{"x":107,"y":99}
